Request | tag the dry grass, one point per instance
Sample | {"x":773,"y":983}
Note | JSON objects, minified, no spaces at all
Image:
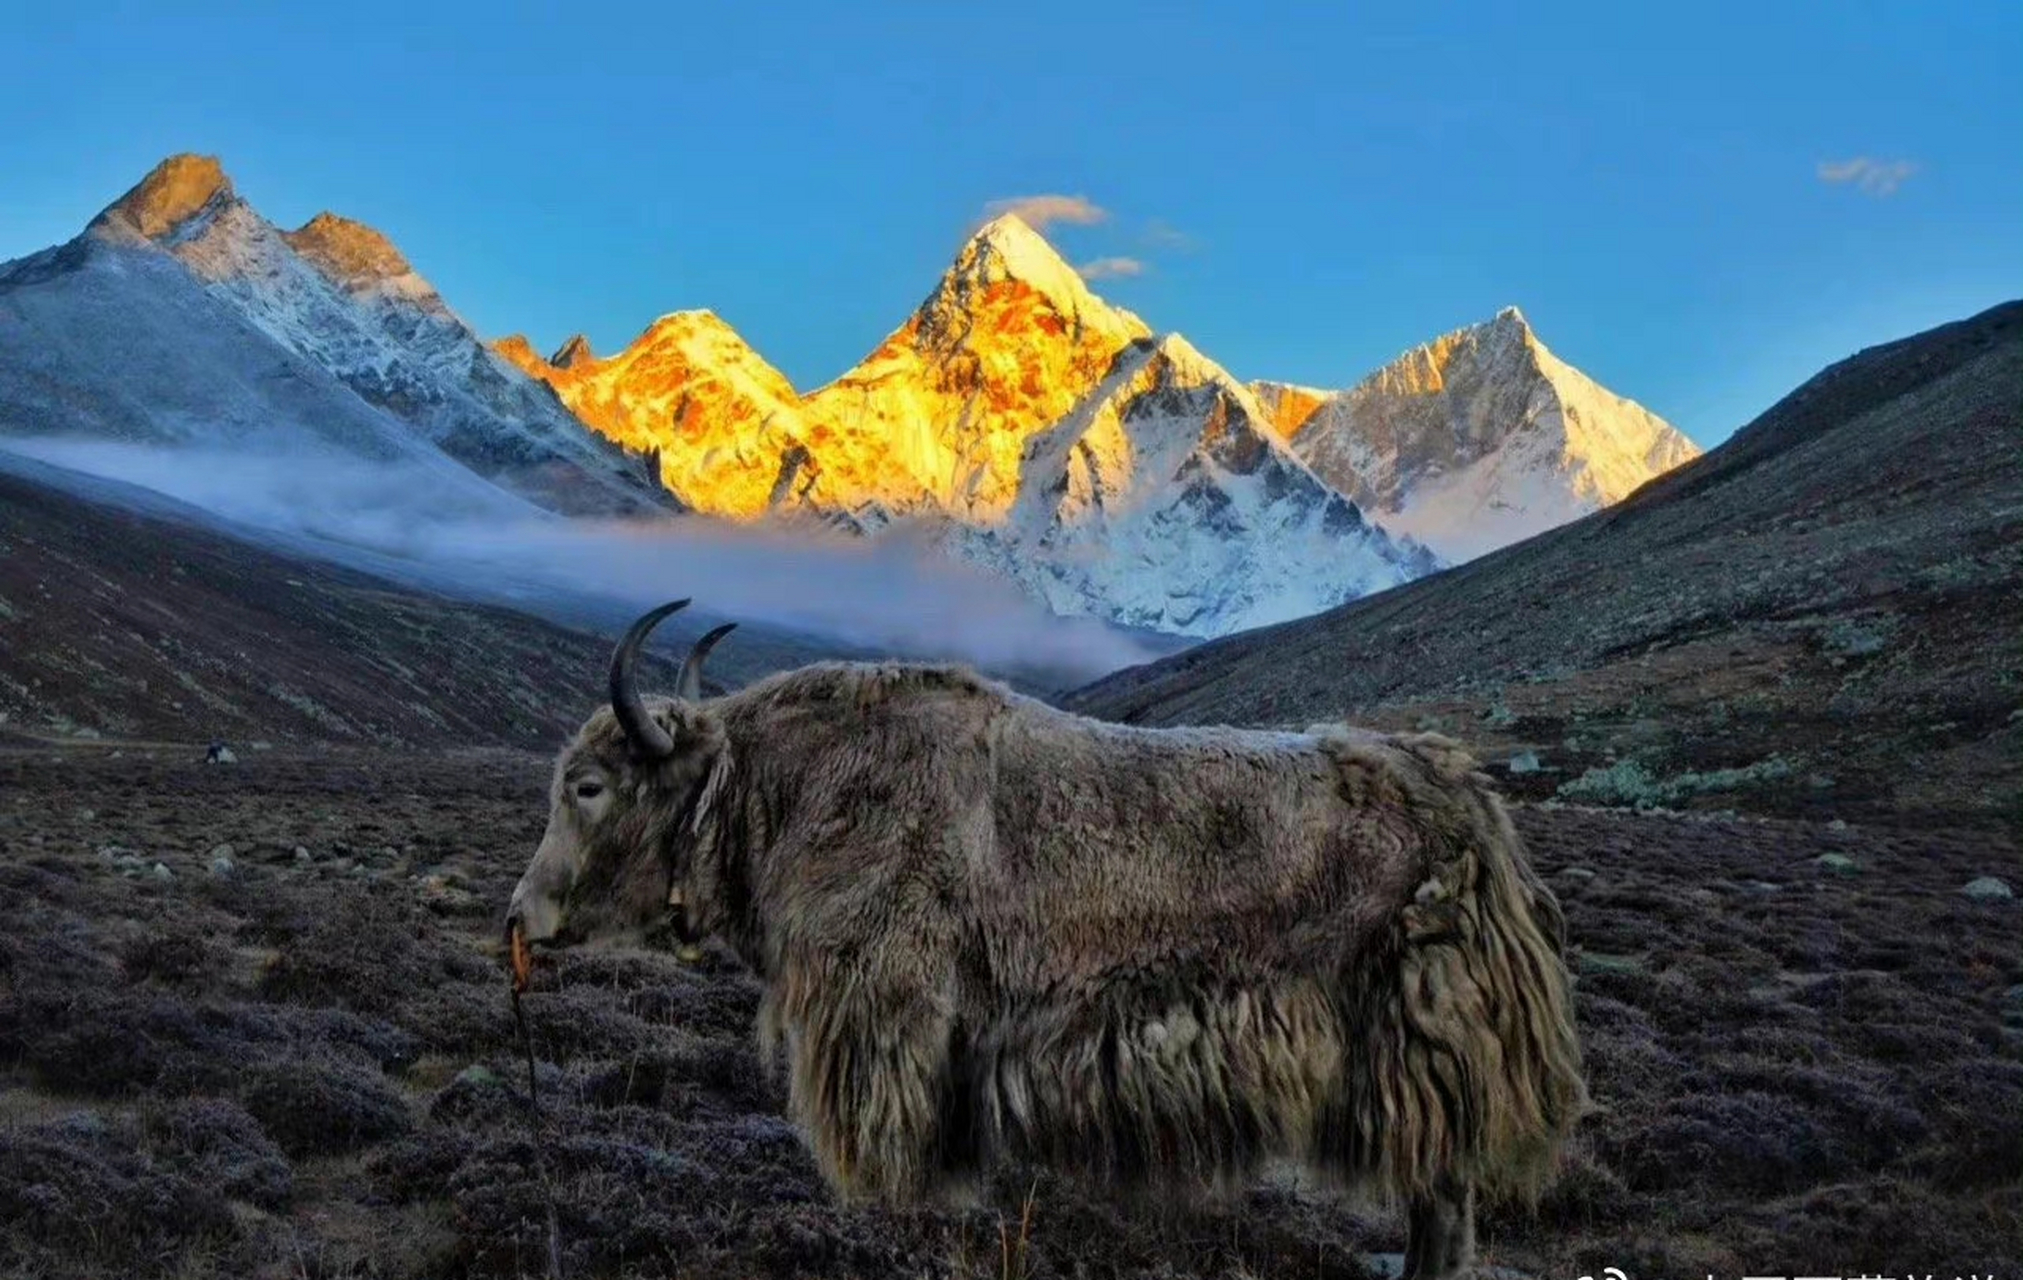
{"x":309,"y":1069}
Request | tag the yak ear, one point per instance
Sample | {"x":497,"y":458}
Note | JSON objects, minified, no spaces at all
{"x":695,"y":730}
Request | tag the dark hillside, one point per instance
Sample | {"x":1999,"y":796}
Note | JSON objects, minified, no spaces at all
{"x":1819,"y":617}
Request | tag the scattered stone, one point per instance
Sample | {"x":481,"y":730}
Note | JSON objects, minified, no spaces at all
{"x":478,"y":1076}
{"x":161,"y":871}
{"x":1838,"y":824}
{"x":222,"y":865}
{"x":1987,"y":889}
{"x":223,"y":851}
{"x":440,"y":894}
{"x":1576,"y":873}
{"x":1524,"y":762}
{"x":1837,"y":863}
{"x":1762,"y":886}
{"x":219,"y":753}
{"x":87,"y":815}
{"x":301,"y":854}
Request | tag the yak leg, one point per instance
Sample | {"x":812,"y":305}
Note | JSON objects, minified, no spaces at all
{"x":869,"y":1056}
{"x":1440,"y":1243}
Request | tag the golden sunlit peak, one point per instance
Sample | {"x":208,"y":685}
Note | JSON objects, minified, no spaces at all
{"x":348,"y":249}
{"x":172,"y":192}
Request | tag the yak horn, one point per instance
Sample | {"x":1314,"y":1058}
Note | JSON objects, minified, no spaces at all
{"x":646,"y":737}
{"x":690,"y":688}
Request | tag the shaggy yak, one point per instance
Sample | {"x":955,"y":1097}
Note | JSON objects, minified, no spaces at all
{"x":991,"y":930}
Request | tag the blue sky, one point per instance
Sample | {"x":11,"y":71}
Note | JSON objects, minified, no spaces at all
{"x":1310,"y":187}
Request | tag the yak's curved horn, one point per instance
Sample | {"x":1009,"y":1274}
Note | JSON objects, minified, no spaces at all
{"x":648,"y":738}
{"x":690,"y":688}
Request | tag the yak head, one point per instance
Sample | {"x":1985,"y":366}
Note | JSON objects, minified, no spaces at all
{"x":628,"y":795}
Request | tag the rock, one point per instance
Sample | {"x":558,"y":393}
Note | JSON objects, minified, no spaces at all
{"x":1837,"y":863}
{"x":160,"y":871}
{"x":301,"y":854}
{"x":1838,"y":824}
{"x":1987,"y":889}
{"x":223,"y":851}
{"x":219,"y":753}
{"x":222,"y":866}
{"x":1762,"y":886}
{"x":1576,"y":873}
{"x":1524,"y":762}
{"x":441,"y":895}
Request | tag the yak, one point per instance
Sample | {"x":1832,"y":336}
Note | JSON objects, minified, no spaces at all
{"x":992,"y":931}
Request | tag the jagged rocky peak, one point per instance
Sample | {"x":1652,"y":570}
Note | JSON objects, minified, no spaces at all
{"x":1007,"y":247}
{"x":682,"y":324}
{"x":572,"y":353}
{"x":174,"y":191}
{"x":1004,"y":268}
{"x":701,"y":335}
{"x":348,"y":251}
{"x":515,"y":348}
{"x":1476,"y":439}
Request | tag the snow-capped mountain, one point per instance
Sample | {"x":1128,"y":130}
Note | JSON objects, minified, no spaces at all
{"x":338,"y":294}
{"x":1163,"y":501}
{"x":1477,"y":439}
{"x":727,"y":426}
{"x":1016,"y":420}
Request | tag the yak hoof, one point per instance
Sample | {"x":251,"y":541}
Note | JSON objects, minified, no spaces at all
{"x":1440,"y":1239}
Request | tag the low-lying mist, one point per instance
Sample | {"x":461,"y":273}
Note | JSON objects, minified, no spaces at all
{"x":441,"y":526}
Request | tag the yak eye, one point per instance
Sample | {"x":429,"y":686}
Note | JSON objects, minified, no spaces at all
{"x":589,"y":789}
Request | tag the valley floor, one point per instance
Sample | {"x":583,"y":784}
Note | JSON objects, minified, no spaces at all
{"x":295,"y":1057}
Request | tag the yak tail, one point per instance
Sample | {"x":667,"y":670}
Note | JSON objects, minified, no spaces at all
{"x":1468,"y":1063}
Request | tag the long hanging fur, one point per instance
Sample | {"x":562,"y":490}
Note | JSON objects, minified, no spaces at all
{"x":989,"y":930}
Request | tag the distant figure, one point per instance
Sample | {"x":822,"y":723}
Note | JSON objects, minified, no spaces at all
{"x":220,"y":754}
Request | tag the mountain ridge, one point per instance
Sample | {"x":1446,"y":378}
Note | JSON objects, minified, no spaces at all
{"x":1815,"y":614}
{"x":1478,"y":438}
{"x":340,"y":295}
{"x":942,"y":433}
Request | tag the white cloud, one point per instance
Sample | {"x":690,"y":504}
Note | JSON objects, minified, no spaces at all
{"x":1875,"y":177}
{"x":888,"y":594}
{"x":1111,"y":268}
{"x":1038,"y":211}
{"x":1160,"y":234}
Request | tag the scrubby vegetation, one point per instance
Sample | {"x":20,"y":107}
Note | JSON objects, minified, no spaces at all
{"x":305,"y":1066}
{"x":1628,"y":783}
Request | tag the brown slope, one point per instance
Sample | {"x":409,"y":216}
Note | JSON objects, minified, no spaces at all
{"x":1830,"y":597}
{"x":123,"y":626}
